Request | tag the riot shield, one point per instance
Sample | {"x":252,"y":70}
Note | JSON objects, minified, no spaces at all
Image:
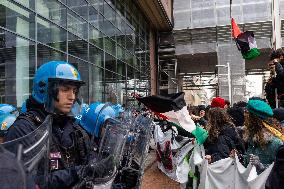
{"x":135,"y":153}
{"x":33,"y":150}
{"x":113,"y":139}
{"x":105,"y":165}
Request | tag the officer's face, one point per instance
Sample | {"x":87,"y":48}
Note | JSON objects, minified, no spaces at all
{"x":66,"y":98}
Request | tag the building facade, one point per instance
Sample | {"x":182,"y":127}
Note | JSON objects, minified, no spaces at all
{"x":110,"y":42}
{"x":203,"y":43}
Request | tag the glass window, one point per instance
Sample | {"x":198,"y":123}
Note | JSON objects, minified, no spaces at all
{"x":96,"y":56}
{"x":120,"y":53}
{"x":121,"y":69}
{"x":109,"y":13}
{"x":129,"y":45}
{"x":95,"y":37}
{"x":110,"y":62}
{"x":136,"y":62}
{"x":121,"y":24}
{"x":77,"y":25}
{"x":50,"y":34}
{"x":83,"y":69}
{"x":111,"y":94}
{"x":110,"y":46}
{"x":52,"y":10}
{"x":77,"y":46}
{"x":96,"y":81}
{"x":129,"y":58}
{"x":121,"y":40}
{"x":17,"y":19}
{"x":120,"y":7}
{"x":108,"y":28}
{"x":27,"y":3}
{"x":46,"y":54}
{"x":121,"y":81}
{"x":130,"y":73}
{"x":111,"y":3}
{"x":16,"y":68}
{"x":97,"y":4}
{"x":129,"y":31}
{"x":79,"y":6}
{"x":93,"y":17}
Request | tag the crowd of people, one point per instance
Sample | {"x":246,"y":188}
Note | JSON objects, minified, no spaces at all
{"x":254,"y":129}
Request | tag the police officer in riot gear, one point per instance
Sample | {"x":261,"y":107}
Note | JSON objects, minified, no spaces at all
{"x":8,"y":115}
{"x":55,"y":91}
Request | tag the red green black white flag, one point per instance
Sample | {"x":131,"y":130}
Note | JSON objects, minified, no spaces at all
{"x":245,"y":42}
{"x":173,"y":108}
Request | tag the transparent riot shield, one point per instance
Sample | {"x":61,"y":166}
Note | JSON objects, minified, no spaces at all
{"x":33,"y":150}
{"x":114,"y":135}
{"x":135,"y":153}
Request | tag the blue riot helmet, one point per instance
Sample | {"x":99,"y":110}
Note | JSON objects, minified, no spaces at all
{"x":47,"y":81}
{"x":118,"y":109}
{"x":7,"y":108}
{"x":94,"y":116}
{"x":78,"y":118}
{"x":8,"y":115}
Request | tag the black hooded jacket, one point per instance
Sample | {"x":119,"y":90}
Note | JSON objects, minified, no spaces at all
{"x":227,"y":140}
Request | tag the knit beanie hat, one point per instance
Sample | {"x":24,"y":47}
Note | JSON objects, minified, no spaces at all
{"x":218,"y":102}
{"x":259,"y":108}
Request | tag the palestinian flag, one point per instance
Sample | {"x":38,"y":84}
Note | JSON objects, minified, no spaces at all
{"x":173,"y":109}
{"x":245,"y":42}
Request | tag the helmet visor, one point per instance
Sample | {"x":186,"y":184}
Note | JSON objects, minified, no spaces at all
{"x":63,"y":97}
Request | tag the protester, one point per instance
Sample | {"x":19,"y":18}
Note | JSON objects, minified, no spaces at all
{"x":276,"y":79}
{"x":278,"y":114}
{"x":227,"y":104}
{"x":218,"y":102}
{"x":262,"y":144}
{"x":223,"y":138}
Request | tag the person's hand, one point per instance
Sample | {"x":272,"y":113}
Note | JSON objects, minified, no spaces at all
{"x":129,"y":177}
{"x":233,"y":153}
{"x":254,"y":160}
{"x":202,"y":113}
{"x":208,"y":158}
{"x":194,"y":117}
{"x":97,"y":169}
{"x":276,"y":60}
{"x":271,"y":65}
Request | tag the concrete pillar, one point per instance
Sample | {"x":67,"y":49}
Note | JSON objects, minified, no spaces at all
{"x":228,"y":53}
{"x":153,"y":64}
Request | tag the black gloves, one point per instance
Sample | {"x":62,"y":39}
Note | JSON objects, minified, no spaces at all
{"x":95,"y":172}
